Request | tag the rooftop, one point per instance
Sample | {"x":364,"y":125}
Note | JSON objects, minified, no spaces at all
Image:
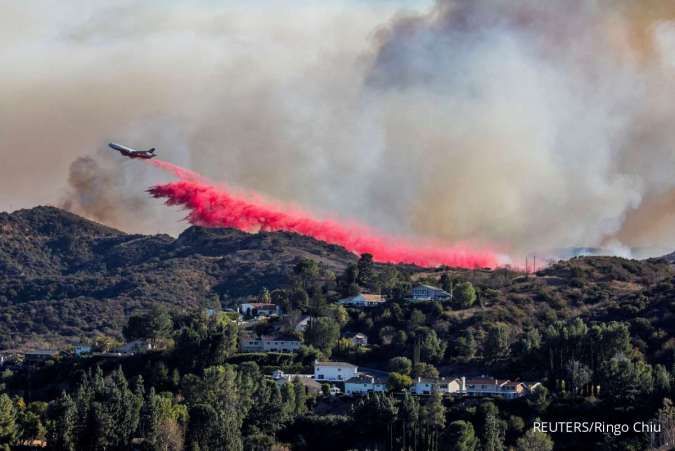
{"x":335,"y":364}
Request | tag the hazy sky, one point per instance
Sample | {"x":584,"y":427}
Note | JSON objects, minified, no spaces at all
{"x":519,"y":123}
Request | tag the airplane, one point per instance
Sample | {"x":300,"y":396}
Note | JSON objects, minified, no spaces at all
{"x":133,"y":153}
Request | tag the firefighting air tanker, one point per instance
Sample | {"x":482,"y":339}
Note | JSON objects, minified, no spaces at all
{"x":133,"y":153}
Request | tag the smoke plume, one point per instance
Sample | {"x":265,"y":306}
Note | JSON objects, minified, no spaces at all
{"x":520,"y":123}
{"x":213,"y":206}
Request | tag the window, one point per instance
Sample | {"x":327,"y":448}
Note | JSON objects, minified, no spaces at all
{"x":320,"y":376}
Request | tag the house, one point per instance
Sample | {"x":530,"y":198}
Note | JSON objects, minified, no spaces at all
{"x":363,"y":384}
{"x":311,"y":386}
{"x":334,"y":371}
{"x":134,"y":347}
{"x":252,"y":343}
{"x":425,"y":386}
{"x":363,"y":300}
{"x":259,"y":309}
{"x":40,"y":356}
{"x":422,"y":292}
{"x":359,"y":340}
{"x":81,"y":349}
{"x":503,"y":388}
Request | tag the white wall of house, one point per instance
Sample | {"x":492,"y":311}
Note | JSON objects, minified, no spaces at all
{"x":427,"y":386}
{"x":360,"y":388}
{"x":334,"y":371}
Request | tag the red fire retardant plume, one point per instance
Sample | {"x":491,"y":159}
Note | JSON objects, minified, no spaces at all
{"x":219,"y":206}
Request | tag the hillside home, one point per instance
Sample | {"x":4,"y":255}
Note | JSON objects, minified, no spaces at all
{"x":425,"y":386}
{"x":503,"y":388}
{"x":252,"y":343}
{"x":334,"y":371}
{"x":422,"y":292}
{"x":259,"y":309}
{"x":362,"y":300}
{"x":364,"y":384}
{"x":359,"y":340}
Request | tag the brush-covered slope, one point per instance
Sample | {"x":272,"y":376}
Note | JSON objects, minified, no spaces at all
{"x":62,"y":276}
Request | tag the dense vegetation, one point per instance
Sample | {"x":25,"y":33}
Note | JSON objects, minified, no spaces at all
{"x":597,"y":331}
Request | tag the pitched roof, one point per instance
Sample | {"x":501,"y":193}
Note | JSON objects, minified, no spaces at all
{"x":334,"y":364}
{"x":430,"y":287}
{"x":373,"y":297}
{"x":431,"y":380}
{"x":367,"y":296}
{"x":260,"y":305}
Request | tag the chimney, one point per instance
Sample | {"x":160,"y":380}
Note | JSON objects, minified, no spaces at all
{"x":463,"y":384}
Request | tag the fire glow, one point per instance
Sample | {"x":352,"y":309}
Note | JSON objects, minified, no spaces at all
{"x":211,"y":205}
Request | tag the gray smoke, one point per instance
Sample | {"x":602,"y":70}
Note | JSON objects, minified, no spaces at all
{"x":524,"y":124}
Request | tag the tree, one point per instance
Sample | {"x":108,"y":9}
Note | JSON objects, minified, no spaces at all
{"x":492,"y":428}
{"x":365,"y":276}
{"x":153,"y":325}
{"x":62,"y":415}
{"x":461,"y":436}
{"x":398,"y":382}
{"x":322,"y":333}
{"x":579,"y":375}
{"x":30,"y":426}
{"x":465,"y":295}
{"x":265,"y":296}
{"x":401,"y":365}
{"x":539,"y":399}
{"x":466,"y":346}
{"x":375,"y":415}
{"x":534,"y":441}
{"x":445,"y":282}
{"x":306,"y":271}
{"x":425,"y":370}
{"x":408,"y":415}
{"x":433,"y":419}
{"x":431,"y":347}
{"x":497,"y":343}
{"x":300,"y":397}
{"x":625,"y":380}
{"x":8,"y":426}
{"x":662,"y":380}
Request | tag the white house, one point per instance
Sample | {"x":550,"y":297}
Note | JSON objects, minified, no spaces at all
{"x":363,"y":300}
{"x":252,"y":343}
{"x":334,"y":371}
{"x":364,"y":384}
{"x":359,"y":340}
{"x":425,"y":386}
{"x":422,"y":292}
{"x":502,"y":388}
{"x":259,"y":309}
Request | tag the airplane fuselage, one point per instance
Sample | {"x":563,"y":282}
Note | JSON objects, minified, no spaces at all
{"x":133,"y":153}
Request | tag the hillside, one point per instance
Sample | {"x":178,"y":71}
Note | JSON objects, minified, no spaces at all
{"x":62,"y":276}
